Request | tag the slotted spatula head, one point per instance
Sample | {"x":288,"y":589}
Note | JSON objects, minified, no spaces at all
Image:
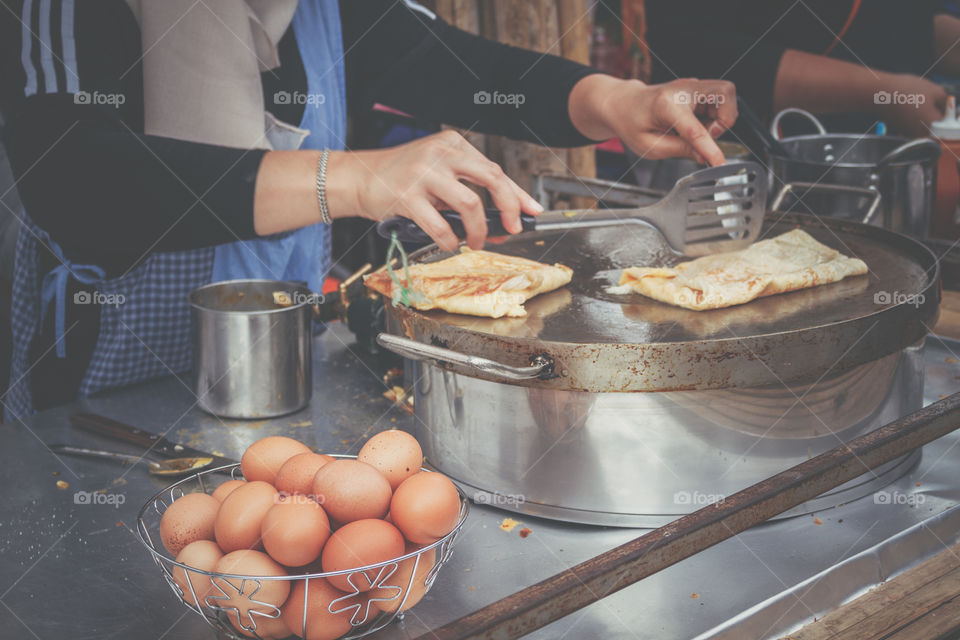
{"x":716,"y":210}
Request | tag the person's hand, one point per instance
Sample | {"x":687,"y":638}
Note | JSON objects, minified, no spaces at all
{"x":417,"y":179}
{"x":909,"y":104}
{"x":674,"y":119}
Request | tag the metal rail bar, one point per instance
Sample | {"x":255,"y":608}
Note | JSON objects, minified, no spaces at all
{"x":540,"y":604}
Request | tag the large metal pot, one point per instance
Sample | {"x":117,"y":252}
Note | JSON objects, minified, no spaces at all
{"x":619,"y":410}
{"x":645,"y":459}
{"x":251,"y":355}
{"x":880,"y":180}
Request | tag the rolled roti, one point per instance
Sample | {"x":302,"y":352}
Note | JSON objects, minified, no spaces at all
{"x":476,"y":283}
{"x":788,"y":262}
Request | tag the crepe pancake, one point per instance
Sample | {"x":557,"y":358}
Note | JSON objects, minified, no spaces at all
{"x":788,"y":262}
{"x":476,"y":283}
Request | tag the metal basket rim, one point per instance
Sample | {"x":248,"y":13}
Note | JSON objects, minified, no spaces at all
{"x":161,"y":555}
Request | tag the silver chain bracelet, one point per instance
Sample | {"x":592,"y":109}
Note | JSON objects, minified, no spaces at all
{"x":322,"y":187}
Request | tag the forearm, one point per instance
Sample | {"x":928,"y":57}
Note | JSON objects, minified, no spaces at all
{"x":103,"y":191}
{"x":285,"y":197}
{"x":399,"y":58}
{"x":824,"y":85}
{"x":946,"y":34}
{"x":588,"y":105}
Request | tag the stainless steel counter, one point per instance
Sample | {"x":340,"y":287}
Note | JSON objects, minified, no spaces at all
{"x":69,"y":568}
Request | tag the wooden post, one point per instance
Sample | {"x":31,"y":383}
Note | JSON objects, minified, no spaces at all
{"x":559,"y":27}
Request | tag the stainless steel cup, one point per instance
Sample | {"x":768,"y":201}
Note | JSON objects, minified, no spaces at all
{"x":251,"y":355}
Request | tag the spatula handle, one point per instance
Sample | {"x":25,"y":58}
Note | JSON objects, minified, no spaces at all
{"x":408,"y":231}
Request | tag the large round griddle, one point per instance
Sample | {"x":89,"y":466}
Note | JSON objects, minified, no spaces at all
{"x":600,"y":341}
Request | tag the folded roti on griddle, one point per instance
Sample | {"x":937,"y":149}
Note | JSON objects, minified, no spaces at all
{"x":476,"y":283}
{"x":788,"y":262}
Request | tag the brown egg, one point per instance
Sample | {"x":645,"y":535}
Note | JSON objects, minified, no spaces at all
{"x":263,"y":459}
{"x":200,"y":554}
{"x":294,"y":531}
{"x":357,"y":544}
{"x":296,"y":474}
{"x":249,"y":595}
{"x":351,"y":490}
{"x":226,"y":489}
{"x":415,"y":589}
{"x":395,"y":454}
{"x":238,"y":522}
{"x":190,"y":517}
{"x":267,"y":628}
{"x":320,"y":623}
{"x":425,"y":507}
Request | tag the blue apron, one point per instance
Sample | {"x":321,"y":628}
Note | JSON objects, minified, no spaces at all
{"x":145,"y":319}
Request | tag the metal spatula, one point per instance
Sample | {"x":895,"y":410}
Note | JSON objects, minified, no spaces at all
{"x":709,"y":211}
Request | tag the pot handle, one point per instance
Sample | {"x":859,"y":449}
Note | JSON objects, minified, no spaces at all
{"x":909,"y":148}
{"x":541,"y":366}
{"x":775,"y":125}
{"x":869,"y":192}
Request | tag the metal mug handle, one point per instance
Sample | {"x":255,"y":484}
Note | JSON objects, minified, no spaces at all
{"x":775,"y":125}
{"x":913,"y":146}
{"x":869,"y":192}
{"x":541,"y":366}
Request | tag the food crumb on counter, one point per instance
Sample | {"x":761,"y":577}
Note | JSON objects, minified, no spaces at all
{"x":817,"y":521}
{"x":949,"y":360}
{"x":694,"y":595}
{"x":119,"y":523}
{"x":55,"y":473}
{"x":472,"y":588}
{"x":302,"y":423}
{"x":525,"y":532}
{"x":509,"y":524}
{"x":62,"y":485}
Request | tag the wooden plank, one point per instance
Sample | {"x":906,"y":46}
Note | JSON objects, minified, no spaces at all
{"x":940,"y":624}
{"x":899,"y":600}
{"x":575,"y":26}
{"x":909,"y":608}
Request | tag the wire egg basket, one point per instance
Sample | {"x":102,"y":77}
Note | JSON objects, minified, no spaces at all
{"x":381,"y":591}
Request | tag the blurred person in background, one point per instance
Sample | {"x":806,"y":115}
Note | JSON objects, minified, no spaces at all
{"x":859,"y":61}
